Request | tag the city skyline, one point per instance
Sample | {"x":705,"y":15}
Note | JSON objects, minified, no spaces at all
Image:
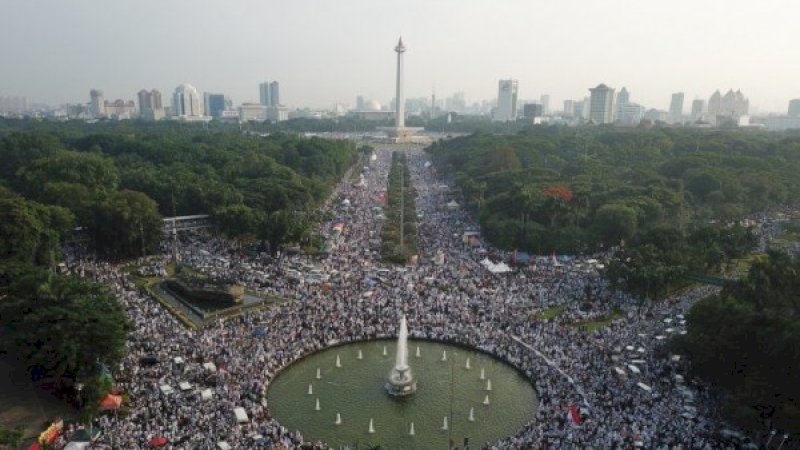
{"x":338,"y":53}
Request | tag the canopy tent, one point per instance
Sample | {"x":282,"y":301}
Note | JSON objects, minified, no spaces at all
{"x":206,"y":394}
{"x":110,"y":402}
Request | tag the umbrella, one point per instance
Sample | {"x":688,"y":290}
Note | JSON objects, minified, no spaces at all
{"x":110,"y":401}
{"x":158,"y":441}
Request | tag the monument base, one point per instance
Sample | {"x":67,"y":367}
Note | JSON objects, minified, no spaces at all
{"x":401,"y":134}
{"x":401,"y":383}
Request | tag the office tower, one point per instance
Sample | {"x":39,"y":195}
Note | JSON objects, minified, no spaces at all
{"x":676,"y":107}
{"x":601,"y":104}
{"x":698,"y":107}
{"x":545,"y":102}
{"x":506,"y":101}
{"x":731,"y":106}
{"x":714,"y":104}
{"x":186,"y":102}
{"x":631,"y":114}
{"x":214,"y":104}
{"x":263,"y":94}
{"x":794,"y":107}
{"x":623,"y":99}
{"x":269,"y":93}
{"x":274,"y":94}
{"x":360,"y":103}
{"x":532,"y":110}
{"x":569,"y":108}
{"x":150,"y":106}
{"x":97,"y":104}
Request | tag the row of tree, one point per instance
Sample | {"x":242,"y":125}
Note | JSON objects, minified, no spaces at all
{"x":400,"y":202}
{"x":118,"y":183}
{"x":115,"y":180}
{"x":573,"y":190}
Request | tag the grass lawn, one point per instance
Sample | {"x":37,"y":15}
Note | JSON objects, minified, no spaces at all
{"x":550,"y":313}
{"x":594,"y":325}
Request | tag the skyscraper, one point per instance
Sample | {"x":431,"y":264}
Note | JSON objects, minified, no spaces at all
{"x":545,"y":102}
{"x":698,"y":107}
{"x":150,"y":106}
{"x":714,"y":104}
{"x":263,"y":94}
{"x":623,"y":98}
{"x":186,"y":102}
{"x":794,"y":107}
{"x":274,"y":94}
{"x":269,"y":93}
{"x":97,"y":104}
{"x":214,"y":104}
{"x":506,"y":101}
{"x":569,"y":108}
{"x":676,"y":107}
{"x":601,"y":104}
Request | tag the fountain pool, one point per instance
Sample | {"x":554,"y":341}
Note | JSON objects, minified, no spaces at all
{"x":356,"y":392}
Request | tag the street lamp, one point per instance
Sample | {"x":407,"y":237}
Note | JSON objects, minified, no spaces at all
{"x":785,"y":437}
{"x":79,"y":387}
{"x":771,"y":435}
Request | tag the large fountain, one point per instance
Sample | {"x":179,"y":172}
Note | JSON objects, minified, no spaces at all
{"x":401,"y":382}
{"x":339,"y":395}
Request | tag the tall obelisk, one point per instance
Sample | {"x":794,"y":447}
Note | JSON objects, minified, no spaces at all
{"x":399,"y":108}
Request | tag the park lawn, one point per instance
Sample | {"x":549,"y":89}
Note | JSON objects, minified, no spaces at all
{"x":550,"y":313}
{"x":594,"y":325}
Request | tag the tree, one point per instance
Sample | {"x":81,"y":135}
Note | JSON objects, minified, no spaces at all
{"x":614,"y":223}
{"x":63,"y":326}
{"x":127,"y":224}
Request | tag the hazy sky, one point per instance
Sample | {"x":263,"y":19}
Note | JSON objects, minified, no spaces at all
{"x":324,"y":52}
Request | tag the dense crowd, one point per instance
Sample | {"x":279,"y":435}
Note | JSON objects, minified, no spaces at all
{"x":613,"y":387}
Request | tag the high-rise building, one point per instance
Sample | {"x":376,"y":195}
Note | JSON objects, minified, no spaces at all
{"x":623,"y":98}
{"x":794,"y":107}
{"x":676,"y":107}
{"x":506,"y":101}
{"x":269,"y":93}
{"x":274,"y":94}
{"x":97,"y":104}
{"x":150,"y":106}
{"x":569,"y":108}
{"x":214,"y":104}
{"x":186,"y":102}
{"x":544,"y":100}
{"x":532,"y":110}
{"x":714,"y":104}
{"x":631,"y":114}
{"x":360,"y":103}
{"x":698,"y":109}
{"x":730,"y":107}
{"x":601,"y":104}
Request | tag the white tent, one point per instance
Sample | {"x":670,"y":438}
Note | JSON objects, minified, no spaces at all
{"x":184,"y":385}
{"x":166,"y":389}
{"x":210,"y":366}
{"x":644,"y":387}
{"x":222,"y":445}
{"x":634,"y":369}
{"x":206,"y":394}
{"x":241,"y":415}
